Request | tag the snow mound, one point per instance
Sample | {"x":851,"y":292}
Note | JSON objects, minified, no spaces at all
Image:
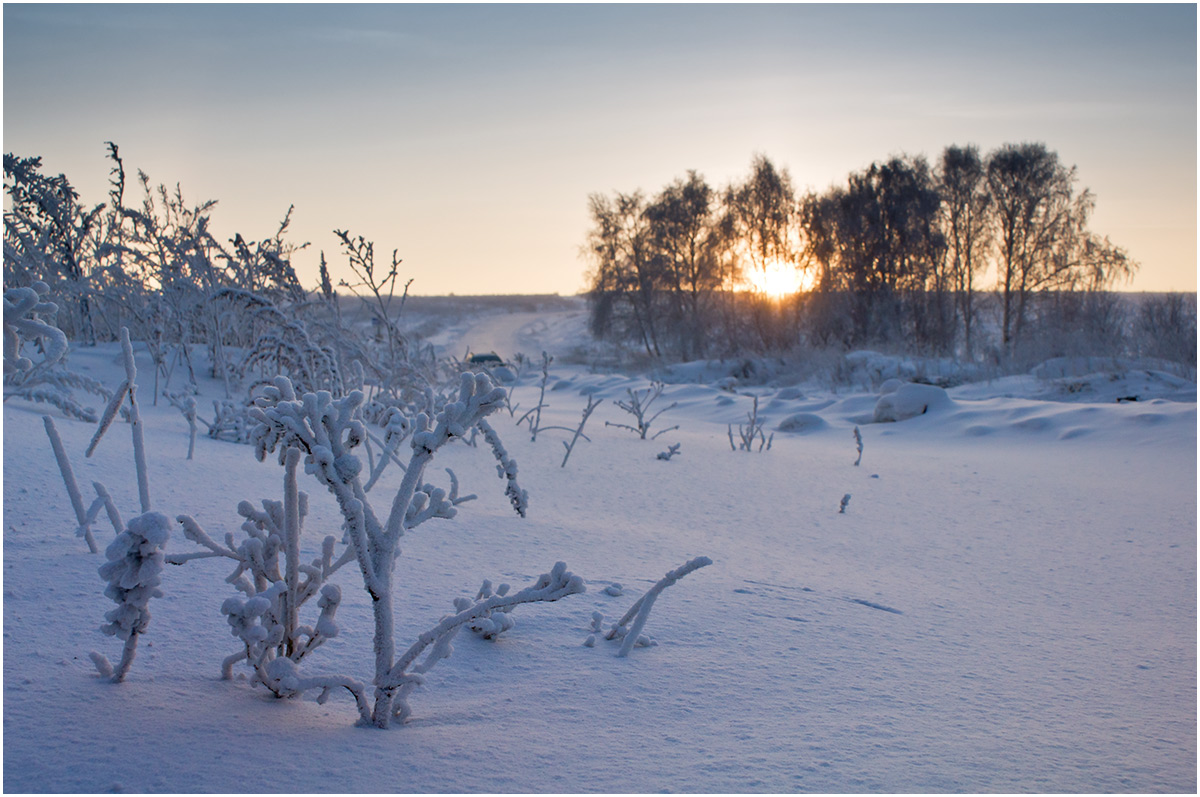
{"x":909,"y":401}
{"x":890,"y":386}
{"x":802,"y":423}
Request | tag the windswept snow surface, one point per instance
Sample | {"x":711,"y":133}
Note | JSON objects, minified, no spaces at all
{"x":1008,"y":604}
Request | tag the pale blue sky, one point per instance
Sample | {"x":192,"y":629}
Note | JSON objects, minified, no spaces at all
{"x":469,"y":137}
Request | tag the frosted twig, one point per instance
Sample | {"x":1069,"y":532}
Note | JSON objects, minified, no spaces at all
{"x":114,"y":516}
{"x":506,"y":469}
{"x":670,"y":452}
{"x":135,"y":422}
{"x":110,"y":412}
{"x":592,"y":404}
{"x":534,"y":415}
{"x":187,"y":407}
{"x":845,"y":503}
{"x":858,"y":444}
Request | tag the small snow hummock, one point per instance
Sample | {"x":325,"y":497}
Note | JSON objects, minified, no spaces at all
{"x":909,"y":401}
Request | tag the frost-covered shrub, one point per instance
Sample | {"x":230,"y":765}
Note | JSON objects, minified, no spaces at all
{"x":282,"y":344}
{"x":639,"y":407}
{"x":275,"y":582}
{"x":534,"y":414}
{"x":750,"y":432}
{"x":231,"y":421}
{"x":133,"y":572}
{"x":327,"y":431}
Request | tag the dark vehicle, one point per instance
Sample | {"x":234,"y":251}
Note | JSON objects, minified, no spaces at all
{"x":489,"y":360}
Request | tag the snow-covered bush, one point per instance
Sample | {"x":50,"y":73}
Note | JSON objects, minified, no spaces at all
{"x":276,"y":584}
{"x":327,"y":430}
{"x":231,"y":421}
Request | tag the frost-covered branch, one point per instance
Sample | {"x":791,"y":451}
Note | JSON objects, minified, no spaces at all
{"x":407,"y":673}
{"x":670,"y":452}
{"x":25,"y":311}
{"x":592,"y":404}
{"x":187,"y":407}
{"x":64,"y":466}
{"x":506,"y":469}
{"x":396,"y":430}
{"x":858,"y":442}
{"x":640,"y":611}
{"x":27,"y":319}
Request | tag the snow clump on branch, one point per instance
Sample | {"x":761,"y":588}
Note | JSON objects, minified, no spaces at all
{"x":133,"y":572}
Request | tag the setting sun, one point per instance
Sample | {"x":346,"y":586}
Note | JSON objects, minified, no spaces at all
{"x":778,"y":280}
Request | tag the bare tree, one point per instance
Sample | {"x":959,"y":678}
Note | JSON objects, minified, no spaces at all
{"x":966,"y":200}
{"x":760,"y":216}
{"x":682,"y":232}
{"x":625,"y":276}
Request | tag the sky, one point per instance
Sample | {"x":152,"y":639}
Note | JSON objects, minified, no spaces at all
{"x":468,"y":137}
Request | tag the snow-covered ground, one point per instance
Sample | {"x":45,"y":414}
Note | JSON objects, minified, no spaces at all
{"x":1008,"y":602}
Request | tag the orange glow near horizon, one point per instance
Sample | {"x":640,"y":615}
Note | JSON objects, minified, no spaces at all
{"x":777,"y":280}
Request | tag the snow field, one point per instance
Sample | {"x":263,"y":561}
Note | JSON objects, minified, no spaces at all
{"x":1008,"y":604}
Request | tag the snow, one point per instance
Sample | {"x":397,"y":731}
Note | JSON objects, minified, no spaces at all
{"x":1007,"y":604}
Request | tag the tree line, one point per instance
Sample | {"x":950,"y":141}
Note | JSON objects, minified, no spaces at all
{"x":896,"y":254}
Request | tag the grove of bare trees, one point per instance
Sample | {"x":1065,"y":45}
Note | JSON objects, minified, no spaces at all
{"x":971,"y":256}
